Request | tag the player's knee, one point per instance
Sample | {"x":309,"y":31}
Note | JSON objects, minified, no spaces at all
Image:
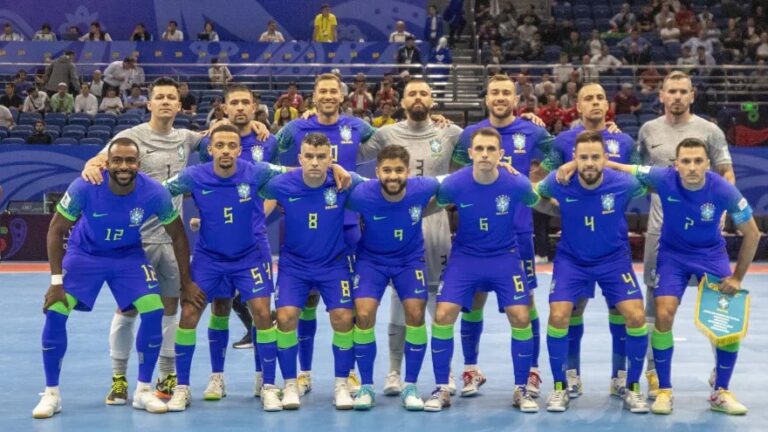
{"x":445,"y":316}
{"x":665,"y":316}
{"x":365,"y":318}
{"x":221,"y":307}
{"x":287,"y":320}
{"x":341,"y":319}
{"x":190,"y":315}
{"x":262,"y":316}
{"x":635,"y":318}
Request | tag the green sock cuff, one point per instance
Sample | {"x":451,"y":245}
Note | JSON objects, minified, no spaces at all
{"x":522,"y":334}
{"x":286,"y":339}
{"x":556,"y":332}
{"x":662,"y":340}
{"x":416,"y":335}
{"x":266,"y":336}
{"x":218,"y":322}
{"x":533,"y":313}
{"x":443,"y":332}
{"x":474,"y":316}
{"x":616,"y":319}
{"x":362,"y":337}
{"x":186,"y":336}
{"x":64,"y":310}
{"x":732,"y":348}
{"x":638,"y":331}
{"x":148,"y":303}
{"x":308,"y":314}
{"x":576,"y":321}
{"x":343,"y":339}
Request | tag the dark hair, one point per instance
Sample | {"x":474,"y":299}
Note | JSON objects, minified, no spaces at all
{"x":486,"y":131}
{"x":173,"y":22}
{"x":394,"y":151}
{"x":46,"y":26}
{"x":215,"y":60}
{"x":164,"y":81}
{"x":236,"y":88}
{"x":316,"y":139}
{"x":410,"y":38}
{"x":691,"y":143}
{"x":123,"y":141}
{"x":39,"y":121}
{"x":225,"y":128}
{"x":588,"y":136}
{"x":96,"y":24}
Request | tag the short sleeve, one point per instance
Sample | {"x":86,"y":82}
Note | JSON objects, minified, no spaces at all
{"x":737,"y":205}
{"x":73,"y":202}
{"x":332,"y":21}
{"x":181,"y":183}
{"x":717,"y":149}
{"x":370,"y":148}
{"x":461,"y":151}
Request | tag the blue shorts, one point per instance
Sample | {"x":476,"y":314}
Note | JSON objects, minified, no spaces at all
{"x":409,"y":281}
{"x":250,"y":275}
{"x":528,"y":257}
{"x":294,"y":285}
{"x":571,"y":281}
{"x":465,"y":275}
{"x":674,"y":270}
{"x":129,"y":276}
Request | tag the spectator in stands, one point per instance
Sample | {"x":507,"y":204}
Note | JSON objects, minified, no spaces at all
{"x":62,"y":70}
{"x":39,"y":136}
{"x":575,"y":47}
{"x":669,"y":33}
{"x":645,"y":21}
{"x":488,"y":33}
{"x":361,"y":98}
{"x":703,"y":58}
{"x":140,"y":33}
{"x":409,"y":55}
{"x":10,"y":99}
{"x":387,"y":94}
{"x":700,"y":41}
{"x":588,"y":73}
{"x":263,"y":116}
{"x":343,"y":86}
{"x":111,"y":103}
{"x":625,"y":101}
{"x":96,"y":34}
{"x":292,"y":96}
{"x":687,"y":58}
{"x":62,"y":101}
{"x":636,"y":48}
{"x":536,"y":48}
{"x":283,"y":116}
{"x":759,"y":77}
{"x":550,"y":31}
{"x":172,"y":32}
{"x":400,"y":34}
{"x":22,"y":85}
{"x":733,"y":45}
{"x":362,"y":114}
{"x":527,"y":29}
{"x":441,"y":54}
{"x":712,"y":33}
{"x":6,"y":118}
{"x":135,"y":100}
{"x":623,"y":21}
{"x":596,"y":43}
{"x":385,"y":116}
{"x":605,"y":62}
{"x":454,"y":16}
{"x":686,"y":21}
{"x":188,"y":100}
{"x":217,"y":114}
{"x":121,"y":75}
{"x":650,"y":79}
{"x":751,"y":34}
{"x":97,"y":84}
{"x":45,"y":34}
{"x":208,"y":33}
{"x":665,"y":14}
{"x":492,"y":55}
{"x":218,"y":75}
{"x":272,"y":34}
{"x":507,"y":26}
{"x":540,"y":89}
{"x":257,"y":103}
{"x":73,"y":33}
{"x":761,"y":51}
{"x":433,"y":28}
{"x":36,"y":101}
{"x":562,"y":72}
{"x":86,"y":102}
{"x":9,"y":35}
{"x":325,"y":28}
{"x":529,"y":105}
{"x":551,"y":112}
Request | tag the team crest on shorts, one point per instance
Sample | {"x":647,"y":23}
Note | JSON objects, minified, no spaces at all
{"x":330,"y":198}
{"x":502,"y":204}
{"x":182,"y":153}
{"x":257,"y":153}
{"x":415,"y":213}
{"x":244,"y":191}
{"x":436,"y":146}
{"x":346,"y":134}
{"x":609,"y":201}
{"x":612,"y":146}
{"x":518,"y":140}
{"x":137,"y":216}
{"x":707,"y":212}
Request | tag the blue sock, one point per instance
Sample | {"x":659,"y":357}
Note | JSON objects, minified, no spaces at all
{"x":306,"y":336}
{"x":343,"y":353}
{"x":471,"y":329}
{"x":415,"y":350}
{"x":287,"y":348}
{"x":726,"y":361}
{"x":265,"y":349}
{"x":663,"y":344}
{"x":149,"y":337}
{"x":442,"y":352}
{"x":636,"y":348}
{"x":522,"y":353}
{"x":365,"y":353}
{"x":185,"y":349}
{"x":557,"y":344}
{"x":54,"y":344}
{"x":218,"y":339}
{"x":536,"y":330}
{"x":575,"y":333}
{"x":256,"y":355}
{"x":618,"y":329}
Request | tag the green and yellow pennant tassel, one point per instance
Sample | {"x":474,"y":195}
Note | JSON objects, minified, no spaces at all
{"x":723,"y":318}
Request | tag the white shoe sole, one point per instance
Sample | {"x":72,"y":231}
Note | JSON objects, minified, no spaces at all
{"x":45,"y":415}
{"x":391,"y":391}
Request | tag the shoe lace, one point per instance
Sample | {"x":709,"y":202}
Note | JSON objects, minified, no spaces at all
{"x":409,"y":391}
{"x":169,"y":381}
{"x":557,"y":397}
{"x":665,"y":393}
{"x":119,"y":385}
{"x":467,"y":377}
{"x":534,"y":379}
{"x":636,"y":398}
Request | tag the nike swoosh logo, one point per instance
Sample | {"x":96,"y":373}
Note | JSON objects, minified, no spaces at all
{"x":631,"y":292}
{"x":359,"y":356}
{"x":99,"y":215}
{"x":656,"y":145}
{"x":255,"y":290}
{"x":378,"y":218}
{"x":418,"y":291}
{"x":48,"y":348}
{"x":293,"y":199}
{"x":670,"y":199}
{"x":207,"y":191}
{"x":154,"y":346}
{"x":345,"y":301}
{"x":525,"y":355}
{"x":153,"y":286}
{"x":151,"y":151}
{"x":438,"y":351}
{"x":417,"y":349}
{"x":518,"y":297}
{"x":571,"y":199}
{"x":268,"y":360}
{"x":462,"y":205}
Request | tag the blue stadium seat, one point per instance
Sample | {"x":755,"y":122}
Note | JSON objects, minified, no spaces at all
{"x":105,"y":119}
{"x":13,"y":141}
{"x":642,"y":118}
{"x":65,"y":141}
{"x":58,"y":119}
{"x":672,"y":50}
{"x":20,"y":133}
{"x":73,"y":131}
{"x":626,"y":120}
{"x":93,"y":141}
{"x":128,"y":120}
{"x":582,"y":11}
{"x":601,"y":12}
{"x":29,"y":118}
{"x":14,"y":114}
{"x":52,"y":133}
{"x":100,"y":134}
{"x":631,"y":131}
{"x":121,"y":127}
{"x":584,"y":25}
{"x":3,"y":134}
{"x":135,"y":112}
{"x":181,"y":123}
{"x":28,"y":127}
{"x":81,"y":119}
{"x":105,"y":128}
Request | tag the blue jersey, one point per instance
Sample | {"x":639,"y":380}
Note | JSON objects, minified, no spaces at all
{"x":314,"y":220}
{"x":254,"y":150}
{"x":519,"y":140}
{"x":227,"y":212}
{"x":345,"y":137}
{"x":392,"y":233}
{"x":692,"y":218}
{"x":110,"y":224}
{"x":620,"y":148}
{"x":486,"y":224}
{"x":594,"y":225}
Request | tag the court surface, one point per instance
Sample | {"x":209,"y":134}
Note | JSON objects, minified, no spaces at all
{"x":86,"y":377}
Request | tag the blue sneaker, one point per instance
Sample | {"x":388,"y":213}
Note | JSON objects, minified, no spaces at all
{"x":411,"y":399}
{"x":365,"y":398}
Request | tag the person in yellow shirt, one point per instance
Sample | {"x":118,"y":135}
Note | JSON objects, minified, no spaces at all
{"x":325,"y":25}
{"x":386,"y":116}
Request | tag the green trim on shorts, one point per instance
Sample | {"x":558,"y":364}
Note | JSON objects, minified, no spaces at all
{"x":186,"y":336}
{"x":576,"y":321}
{"x":59,"y":307}
{"x":616,"y":319}
{"x":218,"y":322}
{"x":474,"y":316}
{"x":308,"y":314}
{"x":662,"y":340}
{"x":266,"y":336}
{"x":363,"y":336}
{"x":148,"y":303}
{"x":732,"y":348}
{"x":638,"y":331}
{"x":556,"y":332}
{"x":442,"y":332}
{"x":286,"y":339}
{"x":416,"y":335}
{"x":522,"y":334}
{"x":533,"y":313}
{"x":343,"y":340}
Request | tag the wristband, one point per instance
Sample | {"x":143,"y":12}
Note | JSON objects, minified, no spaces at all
{"x":57,"y":279}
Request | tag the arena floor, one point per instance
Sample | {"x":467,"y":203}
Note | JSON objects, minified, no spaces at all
{"x":86,"y":377}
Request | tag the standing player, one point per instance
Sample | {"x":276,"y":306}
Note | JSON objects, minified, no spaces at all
{"x":592,"y":211}
{"x":105,"y":246}
{"x":693,"y":201}
{"x":391,"y":249}
{"x":519,"y":139}
{"x":313,"y":256}
{"x":657,"y":140}
{"x":484,"y":197}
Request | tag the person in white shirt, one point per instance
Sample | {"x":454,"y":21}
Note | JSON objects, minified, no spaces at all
{"x":45,"y":34}
{"x":605,"y":61}
{"x":85,"y":102}
{"x":208,"y":33}
{"x":596,"y":43}
{"x":123,"y":74}
{"x":562,"y":72}
{"x":96,"y":34}
{"x":173,"y":33}
{"x":6,"y":117}
{"x":271,"y":35}
{"x":670,"y":33}
{"x":36,"y":101}
{"x":111,"y":103}
{"x":399,"y":35}
{"x":9,"y":35}
{"x":219,"y":75}
{"x":97,"y":84}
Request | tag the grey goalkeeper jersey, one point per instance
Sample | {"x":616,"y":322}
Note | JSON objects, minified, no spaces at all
{"x":161,"y":157}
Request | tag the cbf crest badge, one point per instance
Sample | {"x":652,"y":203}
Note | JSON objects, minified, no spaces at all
{"x":612,"y":146}
{"x":136,"y":216}
{"x":330,"y":198}
{"x":436,"y":146}
{"x":608,"y":201}
{"x":502,"y":204}
{"x":244,"y":191}
{"x":346,"y":134}
{"x":707,"y":212}
{"x":415,"y":213}
{"x":182,"y":153}
{"x":257,"y":153}
{"x":518,"y":140}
